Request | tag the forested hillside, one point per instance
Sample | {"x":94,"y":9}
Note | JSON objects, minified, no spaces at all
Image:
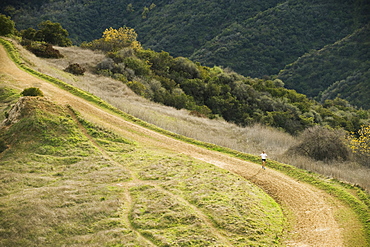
{"x":254,"y":38}
{"x":338,"y":70}
{"x":212,"y":92}
{"x":264,"y":44}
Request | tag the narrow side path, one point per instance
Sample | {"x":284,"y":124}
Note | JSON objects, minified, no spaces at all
{"x":127,"y":202}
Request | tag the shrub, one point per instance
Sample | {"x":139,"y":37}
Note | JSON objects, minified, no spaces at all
{"x":186,"y":68}
{"x":53,"y":33}
{"x":321,"y":143}
{"x":3,"y":145}
{"x":137,"y":87}
{"x":7,"y":26}
{"x":32,"y":91}
{"x":360,"y":144}
{"x":75,"y":69}
{"x":43,"y":50}
{"x":106,"y":64}
{"x":140,"y":67}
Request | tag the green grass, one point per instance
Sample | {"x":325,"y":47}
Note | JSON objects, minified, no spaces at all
{"x":353,"y":196}
{"x":229,"y":202}
{"x":53,"y":182}
{"x":68,"y":182}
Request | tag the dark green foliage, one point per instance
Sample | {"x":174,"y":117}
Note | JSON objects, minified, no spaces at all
{"x":181,"y":83}
{"x":3,"y":145}
{"x":254,"y":38}
{"x":49,"y":32}
{"x":42,"y":49}
{"x":264,"y":44}
{"x":7,"y":26}
{"x":53,"y":33}
{"x":323,"y":144}
{"x":338,"y":70}
{"x":140,"y":67}
{"x":75,"y":69}
{"x":32,"y":91}
{"x":29,"y":34}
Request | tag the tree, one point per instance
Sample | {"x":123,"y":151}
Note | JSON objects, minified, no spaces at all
{"x":7,"y":26}
{"x":53,"y":33}
{"x":321,"y":143}
{"x":360,"y":144}
{"x":130,"y":8}
{"x":120,"y":38}
{"x":29,"y":33}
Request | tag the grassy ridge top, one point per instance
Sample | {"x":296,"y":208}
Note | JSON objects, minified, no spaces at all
{"x":70,"y":182}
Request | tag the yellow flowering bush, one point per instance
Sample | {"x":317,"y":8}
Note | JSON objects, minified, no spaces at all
{"x":114,"y":40}
{"x":120,"y":38}
{"x":361,"y":144}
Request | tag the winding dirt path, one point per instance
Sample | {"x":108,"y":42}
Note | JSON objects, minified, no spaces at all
{"x":311,"y":210}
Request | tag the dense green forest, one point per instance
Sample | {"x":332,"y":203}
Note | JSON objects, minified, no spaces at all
{"x":253,"y":38}
{"x":213,"y":91}
{"x":341,"y":70}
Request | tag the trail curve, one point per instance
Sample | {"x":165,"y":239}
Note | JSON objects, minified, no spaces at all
{"x":314,"y":223}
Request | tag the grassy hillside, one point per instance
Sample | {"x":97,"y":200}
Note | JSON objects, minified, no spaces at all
{"x":326,"y":184}
{"x":68,"y":182}
{"x":251,"y":139}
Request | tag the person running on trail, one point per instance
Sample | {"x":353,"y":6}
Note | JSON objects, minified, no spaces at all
{"x":263,"y":156}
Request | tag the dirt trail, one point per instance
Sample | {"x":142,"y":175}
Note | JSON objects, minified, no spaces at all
{"x":314,"y":223}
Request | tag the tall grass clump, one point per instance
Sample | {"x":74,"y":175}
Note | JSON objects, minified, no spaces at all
{"x":32,"y":91}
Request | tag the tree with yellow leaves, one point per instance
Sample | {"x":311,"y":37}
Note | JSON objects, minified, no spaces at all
{"x":360,"y":144}
{"x":120,"y":38}
{"x":115,"y":39}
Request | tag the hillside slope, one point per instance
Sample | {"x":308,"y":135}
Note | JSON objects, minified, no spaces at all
{"x":254,"y":38}
{"x":313,"y":211}
{"x":337,"y":70}
{"x":96,"y":188}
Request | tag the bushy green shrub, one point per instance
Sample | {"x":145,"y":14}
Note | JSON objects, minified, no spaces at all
{"x":49,"y":32}
{"x":7,"y":26}
{"x":324,"y":144}
{"x":3,"y":145}
{"x":140,"y":67}
{"x":42,"y":49}
{"x":32,"y":91}
{"x":75,"y":69}
{"x":137,"y":87}
{"x":186,"y":68}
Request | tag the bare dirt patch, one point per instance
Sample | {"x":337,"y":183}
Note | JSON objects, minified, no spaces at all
{"x":311,"y":211}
